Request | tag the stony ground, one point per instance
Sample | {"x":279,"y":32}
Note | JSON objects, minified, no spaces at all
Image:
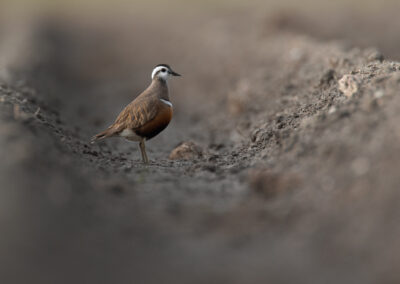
{"x":293,"y":177}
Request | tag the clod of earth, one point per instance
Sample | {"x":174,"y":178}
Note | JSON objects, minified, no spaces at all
{"x":349,"y":85}
{"x":186,"y":151}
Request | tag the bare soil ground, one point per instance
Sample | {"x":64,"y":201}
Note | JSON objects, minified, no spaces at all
{"x":297,"y":181}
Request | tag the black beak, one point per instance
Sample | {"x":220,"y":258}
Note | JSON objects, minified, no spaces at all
{"x":173,"y":73}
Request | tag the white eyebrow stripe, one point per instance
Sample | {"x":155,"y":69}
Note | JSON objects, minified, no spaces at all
{"x":166,"y":102}
{"x":155,"y":70}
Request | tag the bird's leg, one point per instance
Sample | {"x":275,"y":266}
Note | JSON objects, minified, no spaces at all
{"x":143,"y":150}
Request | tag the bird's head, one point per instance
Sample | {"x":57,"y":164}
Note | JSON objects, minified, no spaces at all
{"x":163,"y":71}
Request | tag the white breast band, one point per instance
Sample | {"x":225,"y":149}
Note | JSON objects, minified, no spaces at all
{"x":166,"y":102}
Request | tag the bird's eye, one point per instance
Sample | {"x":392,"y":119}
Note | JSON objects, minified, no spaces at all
{"x":163,"y":70}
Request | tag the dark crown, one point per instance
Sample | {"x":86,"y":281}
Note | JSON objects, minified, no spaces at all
{"x":163,"y":65}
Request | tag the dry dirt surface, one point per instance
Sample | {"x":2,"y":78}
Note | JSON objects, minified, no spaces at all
{"x":289,"y":171}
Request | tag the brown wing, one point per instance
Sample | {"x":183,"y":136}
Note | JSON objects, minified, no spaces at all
{"x":135,"y":115}
{"x":138,"y":113}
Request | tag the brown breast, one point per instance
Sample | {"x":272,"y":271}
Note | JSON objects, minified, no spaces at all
{"x":157,"y":124}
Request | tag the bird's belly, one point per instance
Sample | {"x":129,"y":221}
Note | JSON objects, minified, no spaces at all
{"x":158,"y":124}
{"x":130,"y":135}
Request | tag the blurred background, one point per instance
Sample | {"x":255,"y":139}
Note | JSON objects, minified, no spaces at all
{"x":295,"y":178}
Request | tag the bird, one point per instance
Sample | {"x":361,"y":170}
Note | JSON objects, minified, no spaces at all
{"x":147,"y":115}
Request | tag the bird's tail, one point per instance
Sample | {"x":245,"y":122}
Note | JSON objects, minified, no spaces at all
{"x":109,"y":132}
